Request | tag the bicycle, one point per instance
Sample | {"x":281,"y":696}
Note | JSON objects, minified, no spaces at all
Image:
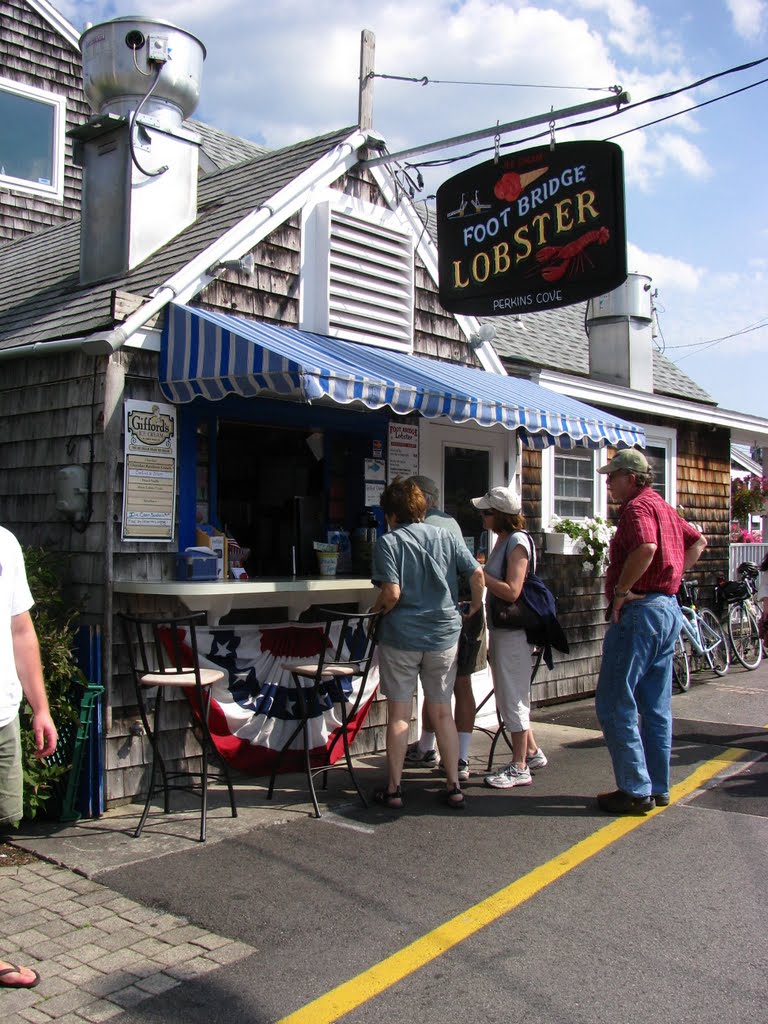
{"x":738,"y":598}
{"x":701,"y":636}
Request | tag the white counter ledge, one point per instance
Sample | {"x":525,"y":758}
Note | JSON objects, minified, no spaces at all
{"x":219,"y":597}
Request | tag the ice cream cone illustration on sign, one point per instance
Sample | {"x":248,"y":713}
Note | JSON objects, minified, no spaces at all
{"x":511,"y":185}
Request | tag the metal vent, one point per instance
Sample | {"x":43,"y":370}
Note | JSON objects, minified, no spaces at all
{"x":370,"y":282}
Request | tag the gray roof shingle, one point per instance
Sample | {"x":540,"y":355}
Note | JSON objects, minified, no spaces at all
{"x":41,"y":298}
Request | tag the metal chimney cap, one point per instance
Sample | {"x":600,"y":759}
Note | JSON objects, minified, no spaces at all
{"x":132,"y":19}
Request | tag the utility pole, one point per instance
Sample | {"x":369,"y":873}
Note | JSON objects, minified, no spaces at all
{"x":365,"y":103}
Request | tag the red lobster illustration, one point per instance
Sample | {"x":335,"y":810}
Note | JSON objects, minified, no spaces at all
{"x":560,"y":256}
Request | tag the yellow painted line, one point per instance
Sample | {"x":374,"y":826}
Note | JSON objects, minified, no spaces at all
{"x":377,"y":979}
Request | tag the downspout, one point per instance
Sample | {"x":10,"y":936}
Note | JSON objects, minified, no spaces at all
{"x":114,"y":387}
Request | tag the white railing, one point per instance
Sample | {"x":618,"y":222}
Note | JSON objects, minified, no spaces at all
{"x":746,"y":553}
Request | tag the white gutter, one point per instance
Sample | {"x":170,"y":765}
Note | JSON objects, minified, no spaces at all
{"x":427,"y":250}
{"x":187,"y":282}
{"x":745,"y":429}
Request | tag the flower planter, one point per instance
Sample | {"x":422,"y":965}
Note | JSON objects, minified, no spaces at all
{"x":560,"y":544}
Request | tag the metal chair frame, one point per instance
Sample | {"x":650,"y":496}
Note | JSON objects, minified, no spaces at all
{"x":159,"y":656}
{"x":501,"y":731}
{"x":323,"y":679}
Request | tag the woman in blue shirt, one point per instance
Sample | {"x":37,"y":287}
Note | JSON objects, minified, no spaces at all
{"x":417,"y":568}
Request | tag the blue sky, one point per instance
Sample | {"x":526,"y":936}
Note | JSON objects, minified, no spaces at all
{"x":697,"y":212}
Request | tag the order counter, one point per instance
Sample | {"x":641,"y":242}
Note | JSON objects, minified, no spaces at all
{"x":219,"y":597}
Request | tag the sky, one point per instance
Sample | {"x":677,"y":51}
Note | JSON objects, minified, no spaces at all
{"x":278,"y":71}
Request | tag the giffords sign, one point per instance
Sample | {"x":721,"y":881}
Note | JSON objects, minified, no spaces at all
{"x":536,"y":230}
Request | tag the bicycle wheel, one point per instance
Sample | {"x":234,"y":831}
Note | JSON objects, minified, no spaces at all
{"x":715,"y":643}
{"x":745,"y":638}
{"x":681,"y":666}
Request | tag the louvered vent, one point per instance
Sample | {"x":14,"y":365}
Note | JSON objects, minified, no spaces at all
{"x":370,"y":282}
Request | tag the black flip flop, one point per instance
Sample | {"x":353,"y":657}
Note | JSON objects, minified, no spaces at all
{"x":18,"y":984}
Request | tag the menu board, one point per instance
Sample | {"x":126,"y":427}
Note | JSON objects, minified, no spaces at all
{"x":403,"y":450}
{"x":149,"y":477}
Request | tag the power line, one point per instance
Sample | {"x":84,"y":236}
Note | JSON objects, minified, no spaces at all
{"x":702,"y":346}
{"x":424,"y":80}
{"x":445,"y":161}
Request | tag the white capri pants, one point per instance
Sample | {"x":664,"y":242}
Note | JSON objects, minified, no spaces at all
{"x":509,"y":656}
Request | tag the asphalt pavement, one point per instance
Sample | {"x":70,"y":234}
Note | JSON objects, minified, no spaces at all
{"x":529,"y":906}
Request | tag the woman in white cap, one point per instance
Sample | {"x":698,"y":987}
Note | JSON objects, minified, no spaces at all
{"x":509,"y":653}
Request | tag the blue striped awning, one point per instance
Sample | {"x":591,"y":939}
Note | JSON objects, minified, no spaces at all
{"x":213,"y":355}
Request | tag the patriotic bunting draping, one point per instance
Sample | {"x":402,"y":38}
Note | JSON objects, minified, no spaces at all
{"x":253,"y":711}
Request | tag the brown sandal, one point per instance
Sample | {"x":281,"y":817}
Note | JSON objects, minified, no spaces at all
{"x":449,"y":796}
{"x":394,"y":801}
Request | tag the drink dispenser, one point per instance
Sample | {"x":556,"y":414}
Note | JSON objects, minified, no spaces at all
{"x":363,"y":542}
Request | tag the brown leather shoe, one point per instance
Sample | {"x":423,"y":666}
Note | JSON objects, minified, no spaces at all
{"x":620,"y":802}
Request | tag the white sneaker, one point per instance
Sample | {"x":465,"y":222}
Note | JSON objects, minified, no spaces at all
{"x":463,"y":770}
{"x":537,"y":760}
{"x":509,"y":777}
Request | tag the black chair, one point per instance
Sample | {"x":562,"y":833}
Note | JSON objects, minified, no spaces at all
{"x":501,"y":731}
{"x":318,"y":683}
{"x":163,"y":653}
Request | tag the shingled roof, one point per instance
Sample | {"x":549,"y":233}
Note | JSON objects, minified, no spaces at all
{"x":556,"y":339}
{"x":41,"y":298}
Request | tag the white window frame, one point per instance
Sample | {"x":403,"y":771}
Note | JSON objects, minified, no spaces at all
{"x":656,"y":437}
{"x":666,"y":438}
{"x":599,"y":496}
{"x":58,"y":102}
{"x":317,"y":308}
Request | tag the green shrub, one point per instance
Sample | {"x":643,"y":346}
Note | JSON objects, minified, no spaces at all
{"x":54,"y":622}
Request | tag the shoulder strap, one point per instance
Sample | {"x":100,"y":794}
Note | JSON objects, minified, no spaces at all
{"x":531,"y":555}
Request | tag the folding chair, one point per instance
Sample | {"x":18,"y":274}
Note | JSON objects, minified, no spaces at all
{"x":329,"y":679}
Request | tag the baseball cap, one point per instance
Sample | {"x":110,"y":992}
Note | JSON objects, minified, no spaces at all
{"x":630,"y":460}
{"x":502,"y":499}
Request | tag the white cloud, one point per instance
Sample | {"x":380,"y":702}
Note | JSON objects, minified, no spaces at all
{"x":749,"y":17}
{"x":665,"y":271}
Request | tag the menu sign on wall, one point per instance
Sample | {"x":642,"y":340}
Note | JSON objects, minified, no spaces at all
{"x":536,"y":230}
{"x":149,"y":479}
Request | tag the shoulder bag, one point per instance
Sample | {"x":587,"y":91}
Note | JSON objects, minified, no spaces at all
{"x":519,"y":614}
{"x":535,"y":611}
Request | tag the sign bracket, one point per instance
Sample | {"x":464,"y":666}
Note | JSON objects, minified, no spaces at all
{"x":617,"y":100}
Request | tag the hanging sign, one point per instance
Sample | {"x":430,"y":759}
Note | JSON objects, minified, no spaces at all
{"x":540,"y":229}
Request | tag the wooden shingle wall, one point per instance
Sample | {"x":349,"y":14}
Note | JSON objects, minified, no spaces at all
{"x":33,"y":54}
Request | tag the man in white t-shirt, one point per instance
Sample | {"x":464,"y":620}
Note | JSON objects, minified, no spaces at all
{"x":21,"y":674}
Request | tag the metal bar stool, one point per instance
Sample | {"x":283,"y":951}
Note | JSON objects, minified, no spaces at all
{"x":501,"y":731}
{"x":328,"y":681}
{"x":163,"y":653}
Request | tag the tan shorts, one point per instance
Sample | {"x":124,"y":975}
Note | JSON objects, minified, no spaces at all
{"x":11,"y":776}
{"x":400,"y":671}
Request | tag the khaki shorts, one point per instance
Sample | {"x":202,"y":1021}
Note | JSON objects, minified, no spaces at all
{"x":11,"y":776}
{"x":400,"y":671}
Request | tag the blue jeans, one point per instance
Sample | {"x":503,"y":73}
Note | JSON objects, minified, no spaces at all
{"x":634,"y":693}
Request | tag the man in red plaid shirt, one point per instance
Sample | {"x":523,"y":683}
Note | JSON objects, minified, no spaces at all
{"x":649,"y":553}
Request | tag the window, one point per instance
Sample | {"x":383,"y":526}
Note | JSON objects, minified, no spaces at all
{"x":574,"y":483}
{"x":661,"y":452}
{"x":357,"y":273}
{"x":31,"y":139}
